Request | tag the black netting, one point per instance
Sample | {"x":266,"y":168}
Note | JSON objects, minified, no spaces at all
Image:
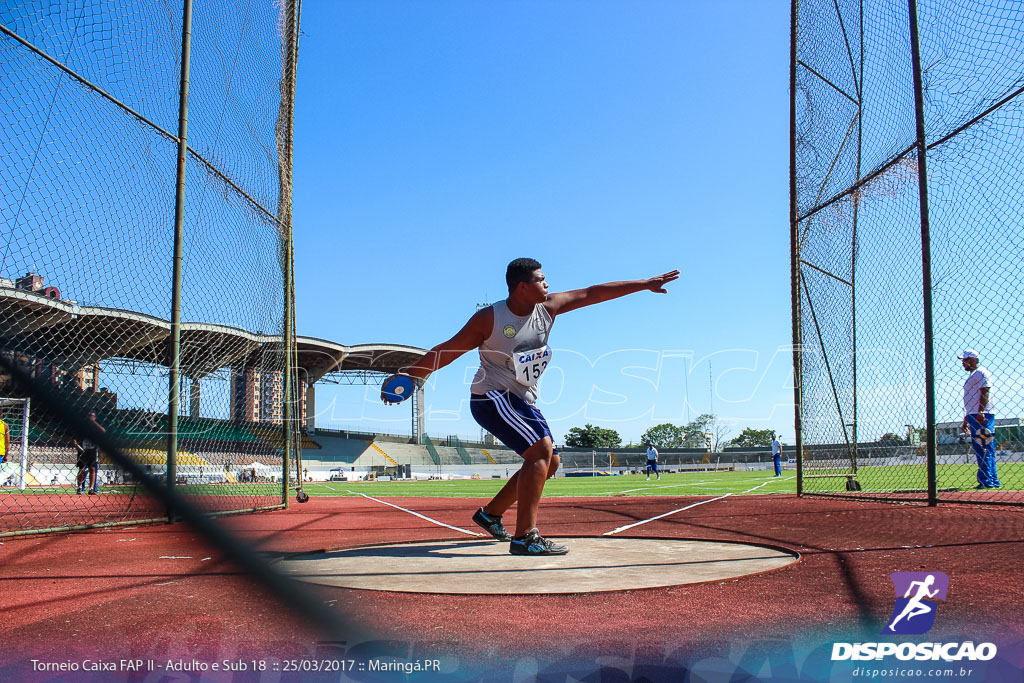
{"x":89,"y":109}
{"x":860,"y":263}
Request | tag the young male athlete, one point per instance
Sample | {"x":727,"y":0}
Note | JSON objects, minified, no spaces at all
{"x":512,"y":337}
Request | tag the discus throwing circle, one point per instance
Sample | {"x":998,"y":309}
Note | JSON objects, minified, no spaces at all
{"x":485,"y":567}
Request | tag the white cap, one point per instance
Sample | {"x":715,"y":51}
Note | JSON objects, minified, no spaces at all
{"x":968,"y":353}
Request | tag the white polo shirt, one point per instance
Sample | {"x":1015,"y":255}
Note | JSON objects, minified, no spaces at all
{"x":652,"y":453}
{"x":975,"y":382}
{"x":776,"y":447}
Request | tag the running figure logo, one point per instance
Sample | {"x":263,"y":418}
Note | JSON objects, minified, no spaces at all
{"x":914,"y":612}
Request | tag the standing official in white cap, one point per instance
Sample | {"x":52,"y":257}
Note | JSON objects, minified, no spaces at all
{"x":777,"y":454}
{"x":980,"y":418}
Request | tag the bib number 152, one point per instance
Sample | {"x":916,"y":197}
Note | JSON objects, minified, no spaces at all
{"x":530,"y":365}
{"x":532,"y":373}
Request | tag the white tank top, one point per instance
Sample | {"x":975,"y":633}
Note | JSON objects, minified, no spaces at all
{"x":515,"y":354}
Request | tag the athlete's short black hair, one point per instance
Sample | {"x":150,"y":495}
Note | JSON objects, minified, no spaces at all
{"x":520,"y":270}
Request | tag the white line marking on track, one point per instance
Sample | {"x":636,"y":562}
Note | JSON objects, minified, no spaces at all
{"x":709,"y":500}
{"x":651,"y":488}
{"x":645,"y":521}
{"x":416,"y":514}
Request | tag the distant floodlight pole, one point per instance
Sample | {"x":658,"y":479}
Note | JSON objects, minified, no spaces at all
{"x":686,"y":389}
{"x":711,"y":390}
{"x":174,"y":396}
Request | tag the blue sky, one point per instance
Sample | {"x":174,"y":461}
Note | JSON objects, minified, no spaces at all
{"x":437,"y":141}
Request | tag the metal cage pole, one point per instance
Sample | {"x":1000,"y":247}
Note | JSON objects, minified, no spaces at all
{"x":286,"y":117}
{"x":24,"y":443}
{"x":794,"y":250}
{"x":926,"y":255}
{"x":853,"y":241}
{"x":174,"y":396}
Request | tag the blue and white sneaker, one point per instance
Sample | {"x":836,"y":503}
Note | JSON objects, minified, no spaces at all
{"x":491,"y":525}
{"x":532,"y":543}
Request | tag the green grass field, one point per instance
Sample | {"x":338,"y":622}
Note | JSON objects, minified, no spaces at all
{"x":872,"y":479}
{"x":915,"y":477}
{"x":262,"y":489}
{"x":688,"y":484}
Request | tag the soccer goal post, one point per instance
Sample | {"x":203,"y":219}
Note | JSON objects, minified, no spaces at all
{"x":14,"y":413}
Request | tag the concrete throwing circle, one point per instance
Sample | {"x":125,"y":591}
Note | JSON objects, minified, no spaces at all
{"x":485,"y":567}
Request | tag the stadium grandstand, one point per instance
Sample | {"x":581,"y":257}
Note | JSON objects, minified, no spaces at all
{"x":247,"y":445}
{"x":74,"y":345}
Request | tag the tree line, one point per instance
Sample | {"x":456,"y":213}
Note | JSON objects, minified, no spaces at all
{"x":704,"y":432}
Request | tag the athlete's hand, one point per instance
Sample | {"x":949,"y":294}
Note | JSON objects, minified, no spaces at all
{"x":657,"y":284}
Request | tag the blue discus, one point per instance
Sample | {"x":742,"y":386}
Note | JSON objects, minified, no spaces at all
{"x":396,"y":389}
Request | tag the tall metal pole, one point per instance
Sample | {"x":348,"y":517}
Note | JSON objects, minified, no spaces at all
{"x":286,"y":117}
{"x":173,"y":398}
{"x":24,"y":443}
{"x":926,"y":255}
{"x":794,"y":249}
{"x":853,"y":238}
{"x":285,"y":128}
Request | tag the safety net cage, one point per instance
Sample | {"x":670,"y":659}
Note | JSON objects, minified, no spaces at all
{"x":145,"y":258}
{"x":907,"y":228}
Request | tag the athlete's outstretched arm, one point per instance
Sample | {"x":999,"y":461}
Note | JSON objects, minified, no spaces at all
{"x":563,"y":302}
{"x":471,"y":336}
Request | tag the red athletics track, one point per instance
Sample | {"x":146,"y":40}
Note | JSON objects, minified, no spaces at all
{"x":129,"y":592}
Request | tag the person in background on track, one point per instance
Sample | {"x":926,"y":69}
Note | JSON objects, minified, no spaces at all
{"x":777,"y":454}
{"x":652,"y":461}
{"x":88,"y":460}
{"x":980,"y":418}
{"x":5,"y":441}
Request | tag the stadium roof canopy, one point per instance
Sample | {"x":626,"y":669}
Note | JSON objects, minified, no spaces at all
{"x":74,"y":336}
{"x":318,"y":357}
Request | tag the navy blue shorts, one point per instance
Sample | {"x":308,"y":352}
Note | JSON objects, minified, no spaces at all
{"x":90,"y":457}
{"x":515,"y":423}
{"x":652,"y":465}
